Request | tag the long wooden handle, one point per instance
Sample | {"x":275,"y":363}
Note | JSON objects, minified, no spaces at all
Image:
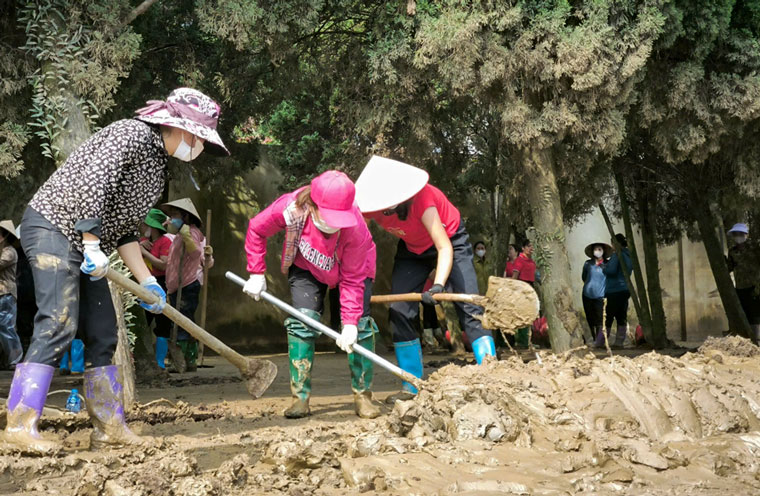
{"x":466,"y":298}
{"x":174,"y":315}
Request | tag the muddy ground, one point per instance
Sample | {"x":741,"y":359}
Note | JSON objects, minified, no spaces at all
{"x":569,"y":424}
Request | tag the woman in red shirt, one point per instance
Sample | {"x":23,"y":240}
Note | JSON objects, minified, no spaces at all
{"x":155,"y":251}
{"x":397,"y":197}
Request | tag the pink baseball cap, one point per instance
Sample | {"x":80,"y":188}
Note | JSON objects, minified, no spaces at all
{"x":334,"y":192}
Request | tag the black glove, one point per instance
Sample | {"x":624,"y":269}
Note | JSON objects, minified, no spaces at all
{"x":427,"y":296}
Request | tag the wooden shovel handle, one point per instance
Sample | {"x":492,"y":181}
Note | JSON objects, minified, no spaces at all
{"x":175,"y":316}
{"x":466,"y":298}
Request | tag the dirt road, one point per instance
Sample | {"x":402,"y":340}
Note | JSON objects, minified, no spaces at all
{"x":559,"y":425}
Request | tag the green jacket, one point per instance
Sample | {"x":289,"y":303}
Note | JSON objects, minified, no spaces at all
{"x":483,"y":269}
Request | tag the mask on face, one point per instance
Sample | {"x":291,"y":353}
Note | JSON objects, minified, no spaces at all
{"x":740,"y":239}
{"x":185,"y":152}
{"x":320,"y":224}
{"x":147,"y":233}
{"x":174,"y":226}
{"x":598,"y":253}
{"x":480,"y":253}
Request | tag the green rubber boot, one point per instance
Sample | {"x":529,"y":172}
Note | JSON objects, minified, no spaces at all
{"x":362,"y":371}
{"x":189,"y":349}
{"x":301,"y":353}
{"x":522,"y":337}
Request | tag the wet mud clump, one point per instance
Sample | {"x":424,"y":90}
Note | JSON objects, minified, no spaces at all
{"x":510,"y":304}
{"x":732,"y":345}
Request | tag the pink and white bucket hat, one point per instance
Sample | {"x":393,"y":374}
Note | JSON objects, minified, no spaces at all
{"x":190,"y":110}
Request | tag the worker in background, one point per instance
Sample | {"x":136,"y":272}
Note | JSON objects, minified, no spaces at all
{"x":11,"y":352}
{"x":744,"y":262}
{"x":431,"y":235}
{"x":155,"y":245}
{"x":184,"y":268}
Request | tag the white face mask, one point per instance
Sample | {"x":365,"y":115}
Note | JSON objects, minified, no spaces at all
{"x":186,"y":153}
{"x":598,"y":253}
{"x":147,"y":233}
{"x":480,"y":253}
{"x":320,"y":224}
{"x":740,"y":239}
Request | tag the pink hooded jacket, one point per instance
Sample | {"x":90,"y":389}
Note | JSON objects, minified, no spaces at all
{"x":346,"y":258}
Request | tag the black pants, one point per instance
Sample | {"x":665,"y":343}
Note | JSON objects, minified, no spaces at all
{"x":750,"y":304}
{"x":410,"y":271}
{"x":163,"y":324}
{"x":617,"y":308}
{"x":187,"y":306}
{"x":66,"y":298}
{"x":594,"y":309}
{"x":429,"y":317}
{"x":307,"y":292}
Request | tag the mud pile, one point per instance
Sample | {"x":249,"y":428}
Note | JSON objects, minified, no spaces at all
{"x":604,"y":417}
{"x":561,"y":424}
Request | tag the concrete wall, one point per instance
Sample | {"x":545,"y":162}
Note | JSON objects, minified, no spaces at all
{"x":704,"y":311}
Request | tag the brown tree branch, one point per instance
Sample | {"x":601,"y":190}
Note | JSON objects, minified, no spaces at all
{"x":140,"y":9}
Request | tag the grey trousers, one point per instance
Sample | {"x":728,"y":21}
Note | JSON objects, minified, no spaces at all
{"x":66,"y":298}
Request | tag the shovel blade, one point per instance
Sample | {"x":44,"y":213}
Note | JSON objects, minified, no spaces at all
{"x":258,"y":376}
{"x":178,"y":358}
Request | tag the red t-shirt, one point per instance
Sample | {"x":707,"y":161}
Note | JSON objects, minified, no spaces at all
{"x":526,"y":268}
{"x":160,"y":249}
{"x":509,"y":269}
{"x":411,"y":230}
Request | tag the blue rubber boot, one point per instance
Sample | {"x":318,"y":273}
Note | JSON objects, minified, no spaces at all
{"x":162,"y":348}
{"x":409,"y":356}
{"x":77,"y":356}
{"x":65,"y":368}
{"x":483,"y":346}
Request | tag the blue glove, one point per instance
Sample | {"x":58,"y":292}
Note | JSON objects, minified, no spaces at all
{"x":152,"y":285}
{"x":95,"y":261}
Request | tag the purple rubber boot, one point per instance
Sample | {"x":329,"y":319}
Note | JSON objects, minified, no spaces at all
{"x":26,"y":399}
{"x":105,"y":404}
{"x":599,"y":343}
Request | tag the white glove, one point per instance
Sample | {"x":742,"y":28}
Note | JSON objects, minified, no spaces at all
{"x":347,"y":338}
{"x":95,"y":261}
{"x":255,"y":285}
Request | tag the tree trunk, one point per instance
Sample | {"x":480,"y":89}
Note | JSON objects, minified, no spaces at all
{"x":707,"y":224}
{"x":123,"y":356}
{"x":551,"y":253}
{"x":645,"y":318}
{"x":73,"y":124}
{"x":646,"y":198}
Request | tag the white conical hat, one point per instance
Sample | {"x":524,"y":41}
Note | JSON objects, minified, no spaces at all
{"x":384,"y":183}
{"x":185,"y":204}
{"x":8,"y":226}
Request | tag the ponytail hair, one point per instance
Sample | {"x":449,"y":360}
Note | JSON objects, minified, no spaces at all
{"x":304,"y":201}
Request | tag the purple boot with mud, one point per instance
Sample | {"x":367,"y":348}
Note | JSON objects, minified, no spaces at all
{"x":26,"y":400}
{"x":104,"y":396}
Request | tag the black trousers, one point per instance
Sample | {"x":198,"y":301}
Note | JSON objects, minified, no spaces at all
{"x":410,"y":271}
{"x":307,"y":292}
{"x":750,"y":304}
{"x":66,"y":298}
{"x":594,"y":309}
{"x":187,"y":306}
{"x":617,"y":308}
{"x":429,"y":317}
{"x":163,"y":326}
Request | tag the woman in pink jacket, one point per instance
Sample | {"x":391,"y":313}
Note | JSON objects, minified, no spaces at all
{"x":327,"y":244}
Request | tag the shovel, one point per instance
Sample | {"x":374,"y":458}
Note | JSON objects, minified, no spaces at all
{"x":508,"y":304}
{"x":258,"y":374}
{"x":376,"y":359}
